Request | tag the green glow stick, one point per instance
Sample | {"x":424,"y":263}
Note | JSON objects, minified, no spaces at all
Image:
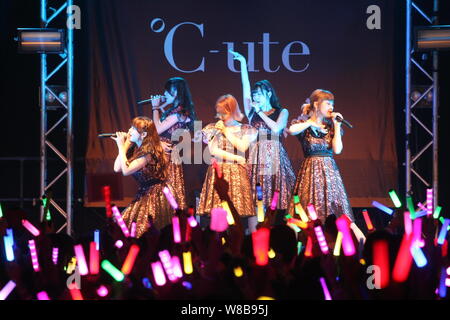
{"x":299,"y":247}
{"x":288,"y":216}
{"x":293,"y":226}
{"x":411,"y":209}
{"x":296,"y":199}
{"x":394,"y":198}
{"x":48,"y":216}
{"x":1,"y":211}
{"x":112,"y":271}
{"x":437,"y":212}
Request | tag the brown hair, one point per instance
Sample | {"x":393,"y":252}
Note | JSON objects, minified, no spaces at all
{"x":151,"y":147}
{"x":318,"y":95}
{"x":227,"y":104}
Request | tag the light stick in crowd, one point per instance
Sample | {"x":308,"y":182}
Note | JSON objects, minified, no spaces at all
{"x":176,"y":229}
{"x":380,"y":251}
{"x":118,"y":244}
{"x":299,"y":209}
{"x":187,"y":262}
{"x":97,"y":239}
{"x":312,"y":211}
{"x":321,"y":239}
{"x":298,"y":223}
{"x":367,"y":220}
{"x":259,"y":194}
{"x":230,"y":218}
{"x":238,"y":272}
{"x":402,"y":265}
{"x":219,"y":221}
{"x":170,"y":198}
{"x":1,"y":211}
{"x":192,"y":222}
{"x":294,"y":227}
{"x":33,"y":230}
{"x":443,"y":232}
{"x":410,"y":205}
{"x":102,"y":291}
{"x":326,"y":292}
{"x":437,"y":211}
{"x":42,"y":295}
{"x":429,"y":202}
{"x":107,"y":197}
{"x":158,"y":273}
{"x":337,"y":245}
{"x":382,"y":207}
{"x":176,"y":267}
{"x":81,"y":259}
{"x":34,"y":256}
{"x":407,"y":223}
{"x":166,"y":260}
{"x":260,"y":211}
{"x":133,"y":230}
{"x":8,"y":241}
{"x":417,"y":232}
{"x":146,"y":283}
{"x":421,"y":206}
{"x":7,"y":289}
{"x":347,"y":242}
{"x":395,"y":200}
{"x":271,"y":254}
{"x":120,"y":221}
{"x":130,"y":259}
{"x":299,"y":247}
{"x":421,"y":214}
{"x":115,"y":273}
{"x":442,"y":287}
{"x":274,"y":203}
{"x":76,"y":294}
{"x":308,"y":249}
{"x":417,"y":254}
{"x":71,"y":265}
{"x":55,"y":252}
{"x":358,"y":233}
{"x":260,"y":240}
{"x":94,"y":258}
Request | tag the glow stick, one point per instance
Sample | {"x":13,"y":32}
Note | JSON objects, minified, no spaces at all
{"x":146,"y":283}
{"x":223,"y":241}
{"x":166,"y":260}
{"x":112,"y":271}
{"x":230,"y":218}
{"x":42,"y":295}
{"x":395,"y":200}
{"x":380,"y":251}
{"x":337,"y":245}
{"x":133,"y":230}
{"x":367,"y":220}
{"x":48,"y":216}
{"x":187,"y":262}
{"x":1,"y":211}
{"x":402,"y":265}
{"x":447,"y":282}
{"x":259,"y":192}
{"x":260,"y":211}
{"x":55,"y":252}
{"x":298,"y":223}
{"x":76,"y":294}
{"x":301,"y":212}
{"x":437,"y":211}
{"x":94,"y":258}
{"x":419,"y":257}
{"x":312,"y":211}
{"x":326,"y":292}
{"x":444,"y":249}
{"x":238,"y":272}
{"x":407,"y":222}
{"x":97,"y":239}
{"x":176,"y":267}
{"x":8,"y":240}
{"x":216,"y":167}
{"x":271,"y":254}
{"x":442,"y":287}
{"x":299,"y":247}
{"x":6,"y":290}
{"x":308,"y":249}
{"x":71,"y":265}
{"x":173,"y":203}
{"x":347,"y":242}
{"x":33,"y":230}
{"x":294,"y":227}
{"x":288,"y":216}
{"x":429,"y":202}
{"x":130,"y":259}
{"x":192,"y":222}
{"x":275,"y":197}
{"x":158,"y":273}
{"x":118,"y":244}
{"x":120,"y":221}
{"x":358,"y":233}
{"x":382,"y":207}
{"x":176,"y":229}
{"x":219,"y":221}
{"x":265,"y":298}
{"x":187,"y":285}
{"x":421,"y":214}
{"x":79,"y":254}
{"x":448,"y":271}
{"x":260,"y":240}
{"x":321,"y":239}
{"x":410,"y":205}
{"x":34,"y":256}
{"x":421,"y":206}
{"x":443,"y":232}
{"x":107,"y":197}
{"x":417,"y":230}
{"x":102,"y":291}
{"x":187,"y":236}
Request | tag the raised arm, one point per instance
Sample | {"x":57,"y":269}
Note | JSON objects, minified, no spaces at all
{"x":299,"y":127}
{"x":121,"y":164}
{"x":158,"y":107}
{"x":246,"y":92}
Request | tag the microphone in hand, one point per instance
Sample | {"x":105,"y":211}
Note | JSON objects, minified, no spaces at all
{"x":107,"y":135}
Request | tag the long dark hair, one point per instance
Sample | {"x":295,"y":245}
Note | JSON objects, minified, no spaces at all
{"x":266,"y":85}
{"x":183,"y":100}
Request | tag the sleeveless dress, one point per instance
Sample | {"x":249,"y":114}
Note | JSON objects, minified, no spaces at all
{"x":235,"y":173}
{"x":319,"y":181}
{"x":175,"y":170}
{"x":269,"y":164}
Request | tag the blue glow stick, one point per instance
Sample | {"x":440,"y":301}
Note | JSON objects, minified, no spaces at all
{"x":442,"y":286}
{"x":421,"y":213}
{"x":9,"y":243}
{"x":419,"y":257}
{"x":97,"y":239}
{"x":259,"y":191}
{"x":443,"y":232}
{"x":382,"y":207}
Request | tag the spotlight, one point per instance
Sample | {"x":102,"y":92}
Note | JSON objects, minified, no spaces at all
{"x":426,"y":101}
{"x":51,"y":101}
{"x":40,"y":40}
{"x":432,"y":38}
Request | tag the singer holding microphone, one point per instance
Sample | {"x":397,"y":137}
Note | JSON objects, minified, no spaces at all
{"x":141,"y":155}
{"x":319,"y":182}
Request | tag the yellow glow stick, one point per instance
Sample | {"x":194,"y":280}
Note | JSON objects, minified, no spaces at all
{"x":229,"y":214}
{"x":260,"y":211}
{"x":187,"y":262}
{"x":337,"y":246}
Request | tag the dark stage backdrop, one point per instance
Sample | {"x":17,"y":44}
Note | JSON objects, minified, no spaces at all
{"x":135,"y":46}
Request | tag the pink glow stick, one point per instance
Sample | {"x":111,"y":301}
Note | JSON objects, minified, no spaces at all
{"x":7,"y":289}
{"x":176,"y":267}
{"x":417,"y":232}
{"x":273,"y":204}
{"x":81,"y":259}
{"x":42,"y":295}
{"x":429,"y":202}
{"x":102,"y":291}
{"x":407,"y":222}
{"x":133,"y":230}
{"x":34,"y":256}
{"x":94,"y":258}
{"x":158,"y":273}
{"x":347,"y":241}
{"x":260,"y":240}
{"x":76,"y":294}
{"x":120,"y":221}
{"x":381,"y":259}
{"x":118,"y":244}
{"x":173,"y":203}
{"x":219,"y":220}
{"x":166,"y":260}
{"x":55,"y":252}
{"x":312,"y":211}
{"x":130,"y":259}
{"x":321,"y":239}
{"x":192,"y":222}
{"x":176,"y":229}
{"x":326,"y":292}
{"x":33,"y":230}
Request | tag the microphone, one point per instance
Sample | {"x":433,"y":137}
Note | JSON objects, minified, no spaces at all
{"x":149,"y":100}
{"x":107,"y":135}
{"x":348,"y":124}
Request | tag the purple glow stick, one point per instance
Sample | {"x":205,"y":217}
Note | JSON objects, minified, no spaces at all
{"x":326,"y":292}
{"x":273,"y":204}
{"x":6,"y":290}
{"x":176,"y":229}
{"x":120,"y":221}
{"x":81,"y":260}
{"x":170,"y":198}
{"x":34,"y":256}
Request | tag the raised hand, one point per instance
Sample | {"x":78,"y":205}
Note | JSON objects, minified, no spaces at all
{"x":120,"y":138}
{"x":238,"y":56}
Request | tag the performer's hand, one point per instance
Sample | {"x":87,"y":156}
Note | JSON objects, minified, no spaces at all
{"x":238,"y":56}
{"x":169,"y":99}
{"x":120,"y":138}
{"x":156,"y":102}
{"x":333,"y":117}
{"x":255,"y":106}
{"x":220,"y":126}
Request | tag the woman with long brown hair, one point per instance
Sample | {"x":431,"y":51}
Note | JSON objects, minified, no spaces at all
{"x":141,"y":155}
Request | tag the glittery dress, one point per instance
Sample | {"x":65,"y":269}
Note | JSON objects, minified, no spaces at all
{"x":150,"y":201}
{"x":319,"y":181}
{"x":234,"y":173}
{"x":175,"y":171}
{"x":269,"y":164}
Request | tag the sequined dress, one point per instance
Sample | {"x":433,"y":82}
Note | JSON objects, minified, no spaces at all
{"x":269,"y":164}
{"x":150,"y":201}
{"x":235,"y":173}
{"x":319,"y":181}
{"x":175,"y":171}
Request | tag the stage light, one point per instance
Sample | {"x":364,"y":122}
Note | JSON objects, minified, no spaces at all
{"x":41,"y":40}
{"x":432,"y":38}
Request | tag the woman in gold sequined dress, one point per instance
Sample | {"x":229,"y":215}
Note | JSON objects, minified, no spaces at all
{"x":319,"y":181}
